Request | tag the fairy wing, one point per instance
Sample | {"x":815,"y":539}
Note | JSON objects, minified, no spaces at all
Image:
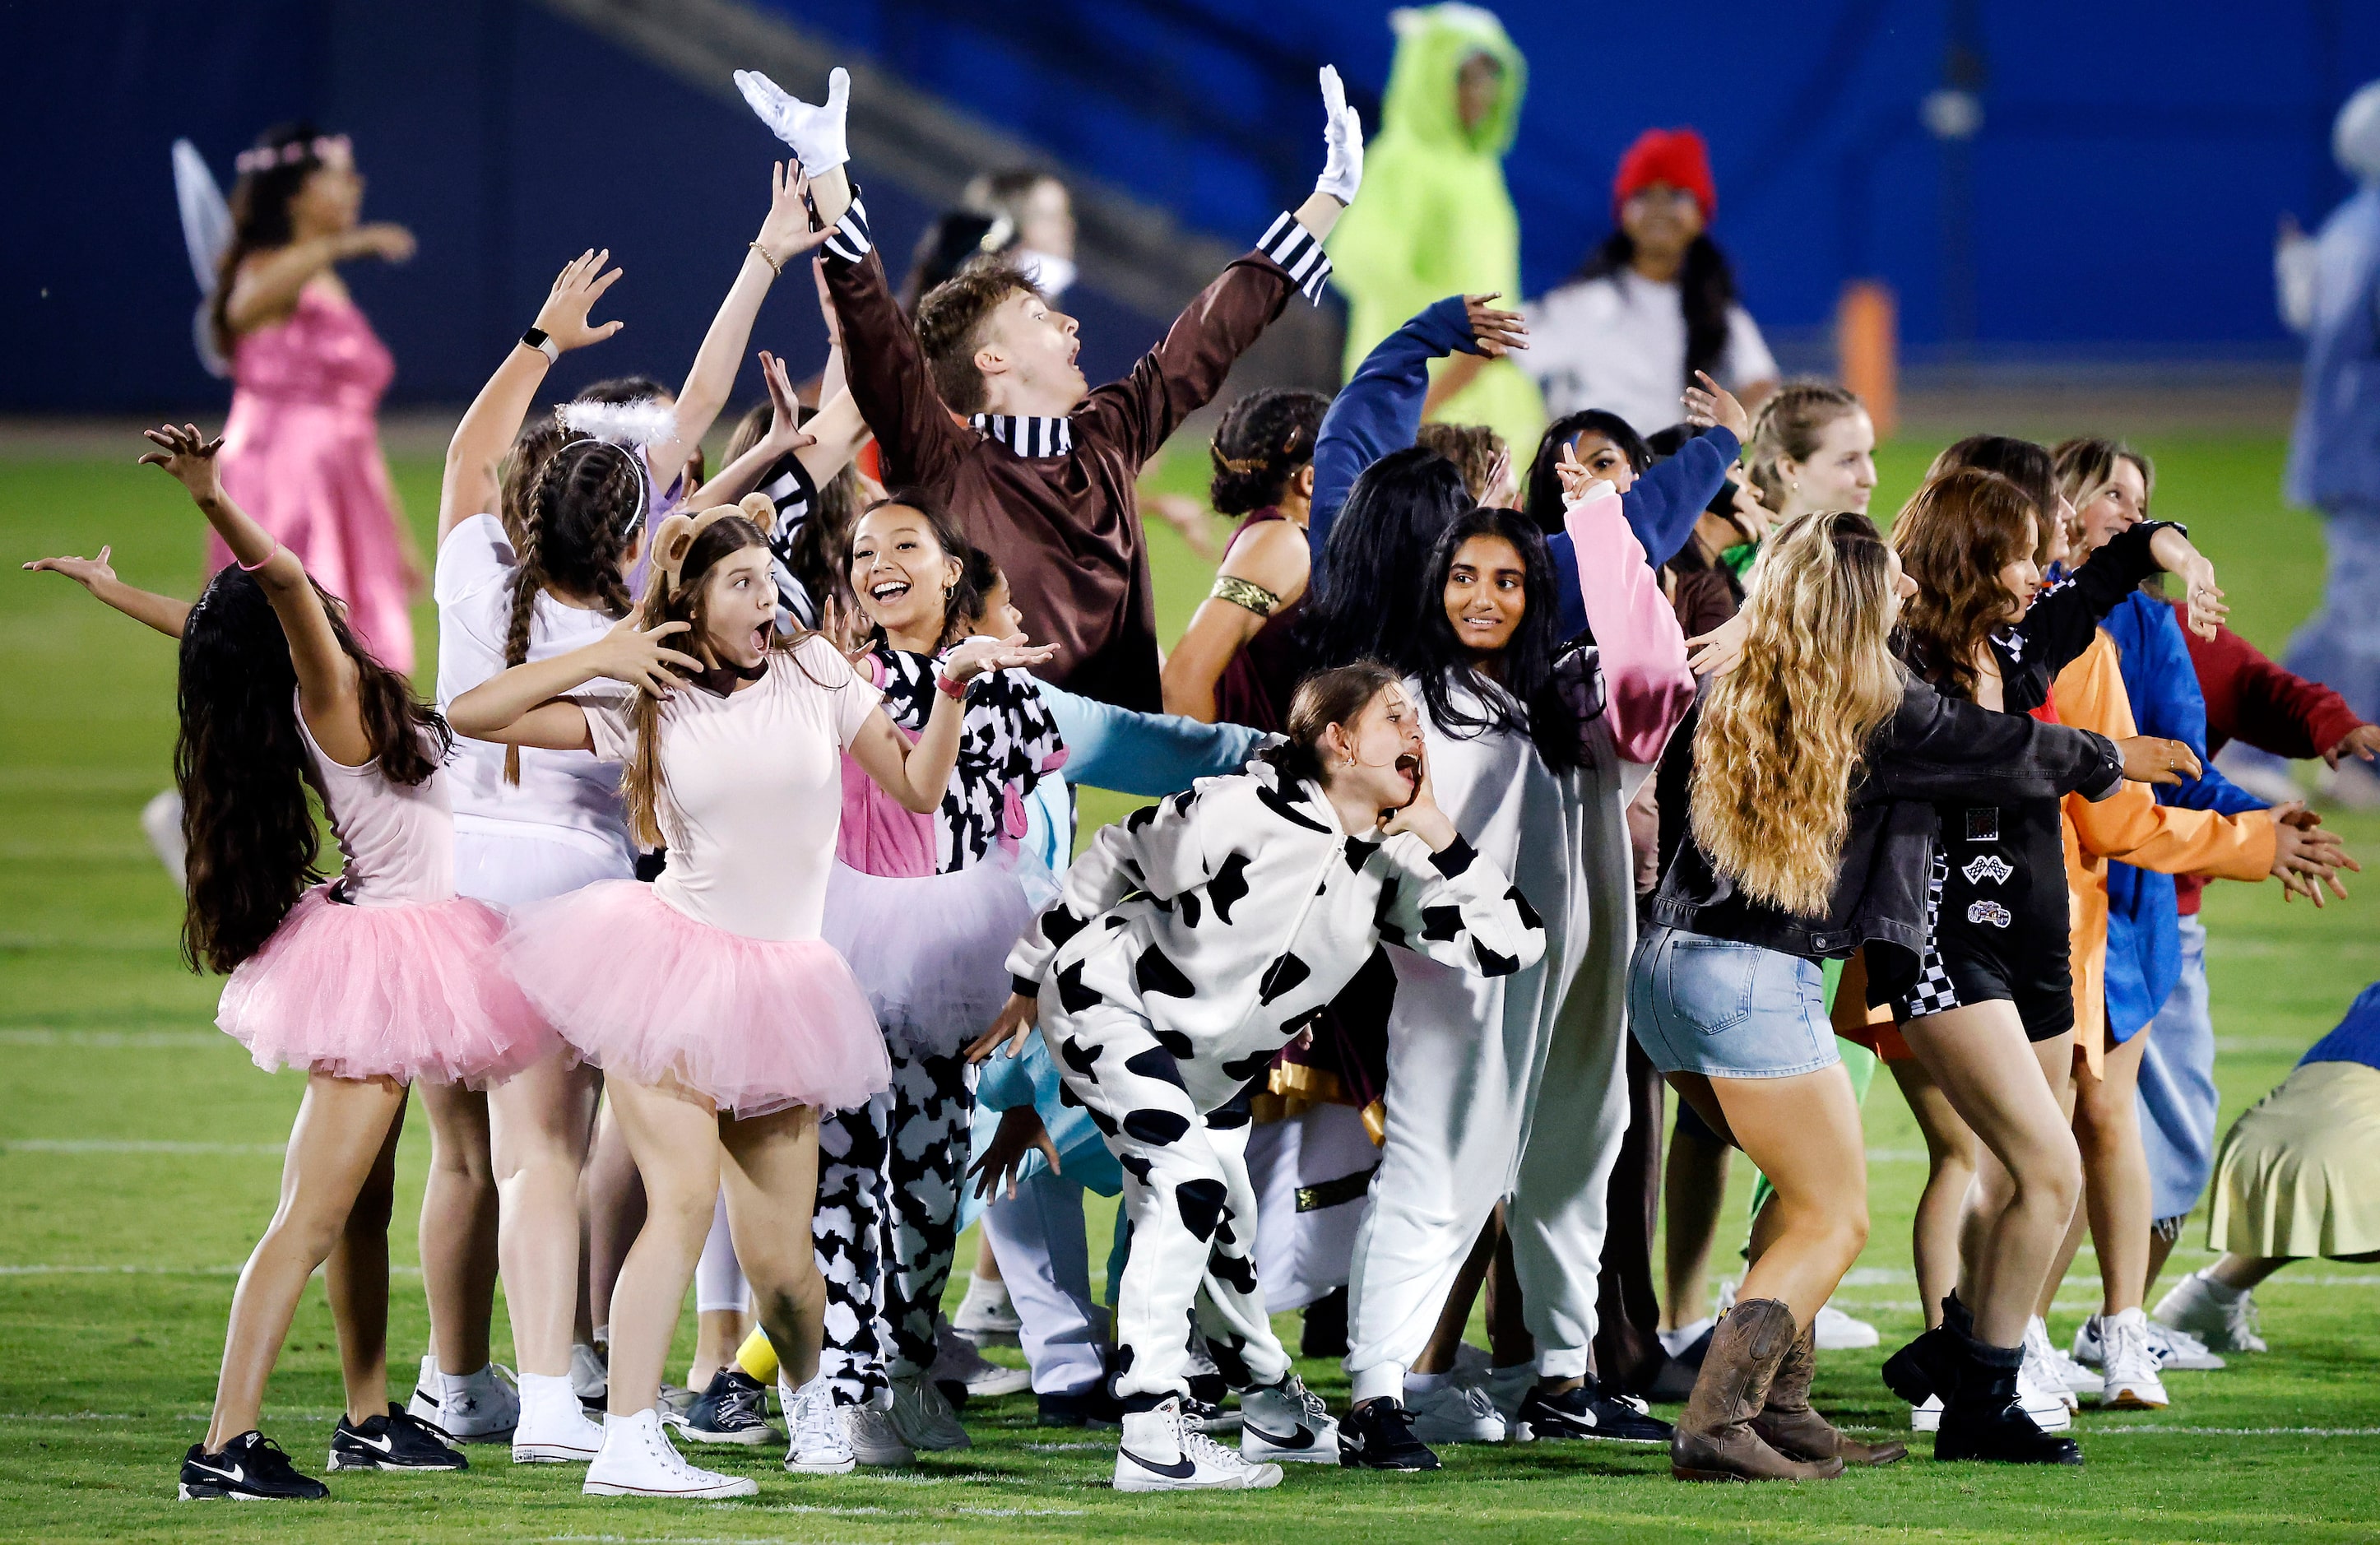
{"x":206,"y":232}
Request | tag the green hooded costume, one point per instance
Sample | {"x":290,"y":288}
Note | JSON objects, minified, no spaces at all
{"x":1434,"y":218}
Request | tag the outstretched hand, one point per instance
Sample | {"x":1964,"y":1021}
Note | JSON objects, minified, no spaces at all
{"x":981,"y":656}
{"x":1720,"y":650}
{"x":629,"y":654}
{"x":1494,"y":330}
{"x":785,"y":234}
{"x":2150,"y":758}
{"x":1019,"y":1133}
{"x":1342,"y":141}
{"x":187,"y":457}
{"x":2363,"y":741}
{"x":86,"y":572}
{"x":1712,"y":405}
{"x":1015,"y":1021}
{"x":785,"y":435}
{"x":816,"y":132}
{"x":581,"y":283}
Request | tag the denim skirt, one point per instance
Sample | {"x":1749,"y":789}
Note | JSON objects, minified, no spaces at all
{"x":1726,"y":1010}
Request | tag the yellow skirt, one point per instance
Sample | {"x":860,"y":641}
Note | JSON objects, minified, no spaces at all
{"x":2299,"y":1170}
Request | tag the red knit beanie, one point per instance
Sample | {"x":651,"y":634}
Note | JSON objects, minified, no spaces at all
{"x":1676,"y":157}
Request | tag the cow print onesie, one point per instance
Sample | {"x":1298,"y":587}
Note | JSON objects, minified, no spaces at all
{"x":1191,"y":942}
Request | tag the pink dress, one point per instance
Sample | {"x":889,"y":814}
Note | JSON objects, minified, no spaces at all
{"x":385,"y":972}
{"x":301,"y":453}
{"x":714,"y":977}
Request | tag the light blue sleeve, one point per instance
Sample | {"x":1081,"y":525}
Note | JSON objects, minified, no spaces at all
{"x":1147,"y":754}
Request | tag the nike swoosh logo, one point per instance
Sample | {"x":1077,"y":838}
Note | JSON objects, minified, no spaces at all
{"x":1181,"y":1469}
{"x":234,"y":1473}
{"x":1302,"y":1438}
{"x":386,"y":1445}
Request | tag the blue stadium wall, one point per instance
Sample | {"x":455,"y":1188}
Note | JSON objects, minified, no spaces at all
{"x":2117,"y":203}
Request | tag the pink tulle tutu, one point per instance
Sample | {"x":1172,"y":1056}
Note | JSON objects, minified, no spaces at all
{"x":415,"y":993}
{"x":646,"y":992}
{"x":932,"y":952}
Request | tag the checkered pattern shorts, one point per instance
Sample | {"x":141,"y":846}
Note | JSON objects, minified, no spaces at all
{"x":1933,"y":993}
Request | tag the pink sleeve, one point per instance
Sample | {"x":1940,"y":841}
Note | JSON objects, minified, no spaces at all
{"x":1643,"y":651}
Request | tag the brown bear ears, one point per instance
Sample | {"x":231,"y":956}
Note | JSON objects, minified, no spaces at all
{"x":676,"y":537}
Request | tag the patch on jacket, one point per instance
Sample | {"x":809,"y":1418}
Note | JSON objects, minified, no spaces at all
{"x":1990,"y":912}
{"x":1990,"y":867}
{"x":1984,"y":823}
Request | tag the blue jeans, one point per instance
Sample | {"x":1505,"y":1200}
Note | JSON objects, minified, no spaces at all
{"x":2177,"y":1094}
{"x":1725,"y":1010}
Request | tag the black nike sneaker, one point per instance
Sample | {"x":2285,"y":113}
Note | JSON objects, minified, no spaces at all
{"x":394,"y":1441}
{"x":1379,"y":1435}
{"x":732,"y":1408}
{"x":251,"y":1468}
{"x":1587,"y":1412}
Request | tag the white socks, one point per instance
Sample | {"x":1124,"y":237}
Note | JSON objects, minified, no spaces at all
{"x":1426,"y":1384}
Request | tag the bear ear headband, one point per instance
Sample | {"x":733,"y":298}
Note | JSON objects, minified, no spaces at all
{"x":676,"y":537}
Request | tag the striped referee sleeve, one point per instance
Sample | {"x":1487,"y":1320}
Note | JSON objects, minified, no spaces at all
{"x":1299,"y":251}
{"x":851,"y":240}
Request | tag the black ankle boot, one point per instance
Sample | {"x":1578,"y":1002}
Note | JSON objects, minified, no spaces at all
{"x":1982,"y":1419}
{"x":1929,"y":1365}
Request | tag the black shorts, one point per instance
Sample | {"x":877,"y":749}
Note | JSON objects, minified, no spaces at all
{"x":1986,"y":958}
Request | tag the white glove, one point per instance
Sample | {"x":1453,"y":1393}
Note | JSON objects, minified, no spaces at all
{"x":816,"y":133}
{"x":1342,"y":139}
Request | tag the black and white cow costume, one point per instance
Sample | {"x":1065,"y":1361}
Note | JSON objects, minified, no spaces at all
{"x":1191,"y":943}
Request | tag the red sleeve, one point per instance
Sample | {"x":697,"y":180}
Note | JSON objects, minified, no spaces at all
{"x":2253,"y":700}
{"x":921,"y":443}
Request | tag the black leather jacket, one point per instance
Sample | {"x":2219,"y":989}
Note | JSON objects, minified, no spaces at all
{"x":1933,"y":747}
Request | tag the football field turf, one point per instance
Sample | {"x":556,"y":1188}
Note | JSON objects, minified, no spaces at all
{"x":139,"y":1157}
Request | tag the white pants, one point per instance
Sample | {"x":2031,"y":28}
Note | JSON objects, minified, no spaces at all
{"x":1045,"y":1262}
{"x":509,"y":870}
{"x":1309,"y":1174}
{"x":718,"y":1278}
{"x":1476,"y":1114}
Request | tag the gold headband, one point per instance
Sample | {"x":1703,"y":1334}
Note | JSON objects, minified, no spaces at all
{"x":676,"y":537}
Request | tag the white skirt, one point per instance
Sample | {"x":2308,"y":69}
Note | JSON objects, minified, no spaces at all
{"x":931,"y":952}
{"x":506,"y":872}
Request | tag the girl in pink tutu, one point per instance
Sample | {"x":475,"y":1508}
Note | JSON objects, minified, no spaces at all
{"x":722,"y":1022}
{"x":925,"y":907}
{"x":381,"y":977}
{"x":301,"y":447}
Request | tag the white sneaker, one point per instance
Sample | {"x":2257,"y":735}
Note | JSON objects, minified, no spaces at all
{"x":2072,"y":1376}
{"x":923,"y":1418}
{"x":588,"y":1376}
{"x":1287,"y":1421}
{"x":873,"y":1438}
{"x":2048,"y":1411}
{"x":481,"y":1407}
{"x":1453,"y":1412}
{"x":160,"y":823}
{"x":1927,"y":1417}
{"x":1837,"y":1331}
{"x":2041,"y":1364}
{"x":2180,"y":1349}
{"x":2087,"y":1350}
{"x":1677,"y":1341}
{"x":820,"y":1445}
{"x":1472,"y":1365}
{"x":554,"y":1427}
{"x":1159,"y":1451}
{"x":637,"y":1461}
{"x":987,"y":1316}
{"x":959,"y":1361}
{"x":2223,"y":1318}
{"x":2132,"y":1383}
{"x":1507,"y":1387}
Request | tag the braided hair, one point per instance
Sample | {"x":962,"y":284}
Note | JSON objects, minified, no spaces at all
{"x":576,"y":525}
{"x":1265,"y":437}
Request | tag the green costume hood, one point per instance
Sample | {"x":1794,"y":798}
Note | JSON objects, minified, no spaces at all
{"x":1432,"y":217}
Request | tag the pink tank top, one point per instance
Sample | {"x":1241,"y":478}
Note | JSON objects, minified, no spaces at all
{"x":398,"y":841}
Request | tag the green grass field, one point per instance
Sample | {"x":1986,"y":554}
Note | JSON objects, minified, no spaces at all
{"x":138,"y":1158}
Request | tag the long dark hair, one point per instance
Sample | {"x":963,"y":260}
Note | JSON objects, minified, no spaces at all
{"x":1525,"y":698}
{"x":1954,"y":536}
{"x":241,"y":765}
{"x":574,"y":532}
{"x":1706,"y":292}
{"x":1369,"y":584}
{"x":963,"y":603}
{"x":1541,"y":495}
{"x":259,"y":213}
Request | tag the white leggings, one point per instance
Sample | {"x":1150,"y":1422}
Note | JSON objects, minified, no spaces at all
{"x":718,"y":1279}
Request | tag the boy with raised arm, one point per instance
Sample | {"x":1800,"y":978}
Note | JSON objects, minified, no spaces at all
{"x":1042,"y":470}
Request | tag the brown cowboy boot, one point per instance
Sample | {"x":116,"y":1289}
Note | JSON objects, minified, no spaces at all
{"x":1793,"y":1429}
{"x":1715,"y":1439}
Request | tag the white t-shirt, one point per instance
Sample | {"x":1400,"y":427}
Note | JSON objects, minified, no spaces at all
{"x":1618,"y":342}
{"x":569,"y":797}
{"x":753,"y":790}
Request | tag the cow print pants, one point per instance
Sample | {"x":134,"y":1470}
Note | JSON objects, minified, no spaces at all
{"x":887,"y":1223}
{"x":1187,"y":1192}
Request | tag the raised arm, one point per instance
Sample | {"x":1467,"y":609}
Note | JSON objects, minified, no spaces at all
{"x":527,"y":705}
{"x":1640,"y":648}
{"x":2060,"y":625}
{"x":326,"y":675}
{"x":96,"y":574}
{"x":267,"y":286}
{"x":787,"y":436}
{"x":489,"y":425}
{"x":1147,"y":754}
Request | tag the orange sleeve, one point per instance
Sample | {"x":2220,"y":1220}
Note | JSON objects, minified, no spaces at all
{"x":2129,"y":824}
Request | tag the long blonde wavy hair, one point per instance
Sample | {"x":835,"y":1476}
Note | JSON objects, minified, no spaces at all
{"x":1783,"y":733}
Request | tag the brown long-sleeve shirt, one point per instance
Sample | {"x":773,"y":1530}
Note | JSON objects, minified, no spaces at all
{"x":1052,"y":500}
